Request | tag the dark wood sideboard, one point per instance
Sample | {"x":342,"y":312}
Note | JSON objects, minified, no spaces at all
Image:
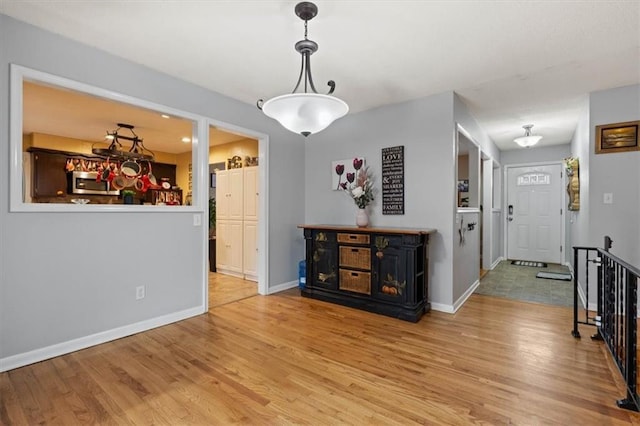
{"x":381,"y":270}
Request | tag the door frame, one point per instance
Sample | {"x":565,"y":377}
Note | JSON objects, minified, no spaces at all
{"x":563,"y":216}
{"x":263,"y":202}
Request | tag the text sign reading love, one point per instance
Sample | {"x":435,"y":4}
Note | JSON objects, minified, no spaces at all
{"x":393,"y":180}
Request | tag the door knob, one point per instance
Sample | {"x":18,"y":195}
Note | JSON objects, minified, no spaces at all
{"x":509,"y":219}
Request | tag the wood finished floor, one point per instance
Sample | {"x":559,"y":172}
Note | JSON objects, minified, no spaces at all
{"x":225,"y":289}
{"x":283,"y":359}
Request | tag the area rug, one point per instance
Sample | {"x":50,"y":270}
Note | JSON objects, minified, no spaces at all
{"x":554,"y":276}
{"x":528,"y":263}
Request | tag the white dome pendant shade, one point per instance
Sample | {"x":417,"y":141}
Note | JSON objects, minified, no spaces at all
{"x":305,"y":113}
{"x":528,"y":140}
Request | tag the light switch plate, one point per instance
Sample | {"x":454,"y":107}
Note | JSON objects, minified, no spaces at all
{"x":607,"y":198}
{"x":197,"y":220}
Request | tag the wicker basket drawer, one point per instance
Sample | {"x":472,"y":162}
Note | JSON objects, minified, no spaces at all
{"x":355,"y":257}
{"x":359,"y":282}
{"x":353,"y":238}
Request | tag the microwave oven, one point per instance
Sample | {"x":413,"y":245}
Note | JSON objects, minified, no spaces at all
{"x":87,"y":183}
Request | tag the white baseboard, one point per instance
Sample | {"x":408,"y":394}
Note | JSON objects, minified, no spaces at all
{"x":441,"y":307}
{"x":37,"y":355}
{"x":282,"y":287}
{"x":458,"y":303}
{"x":593,"y":306}
{"x":452,"y":309}
{"x":231,"y":273}
{"x":494,"y":264}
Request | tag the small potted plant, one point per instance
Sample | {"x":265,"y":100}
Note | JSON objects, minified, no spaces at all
{"x":127,"y":196}
{"x":212,"y":217}
{"x":212,"y":234}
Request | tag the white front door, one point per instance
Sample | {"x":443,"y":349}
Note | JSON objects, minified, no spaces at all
{"x":534,"y":213}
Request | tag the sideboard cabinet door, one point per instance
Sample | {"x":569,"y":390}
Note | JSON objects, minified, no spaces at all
{"x":390,"y":275}
{"x":324,"y":260}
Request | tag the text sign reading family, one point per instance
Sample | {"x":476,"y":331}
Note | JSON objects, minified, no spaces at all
{"x":393,"y":180}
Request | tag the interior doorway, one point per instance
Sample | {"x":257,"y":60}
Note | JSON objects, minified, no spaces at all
{"x":234,"y":182}
{"x":534,"y":227}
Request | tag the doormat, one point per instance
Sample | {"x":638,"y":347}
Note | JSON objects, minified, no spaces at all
{"x":554,"y":276}
{"x":528,"y":263}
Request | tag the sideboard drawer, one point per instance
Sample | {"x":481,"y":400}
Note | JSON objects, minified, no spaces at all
{"x":353,"y":238}
{"x":355,"y":257}
{"x":359,"y":282}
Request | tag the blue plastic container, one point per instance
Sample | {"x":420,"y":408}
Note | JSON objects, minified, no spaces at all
{"x":302,"y":274}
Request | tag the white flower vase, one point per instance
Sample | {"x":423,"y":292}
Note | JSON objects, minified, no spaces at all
{"x":362,"y":218}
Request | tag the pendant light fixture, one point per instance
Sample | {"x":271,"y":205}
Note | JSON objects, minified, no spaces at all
{"x":305,"y":112}
{"x":528,"y":140}
{"x":117,"y":151}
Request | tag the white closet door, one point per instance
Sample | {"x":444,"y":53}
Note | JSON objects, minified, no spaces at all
{"x":222,"y":195}
{"x":251,"y":193}
{"x":250,"y":263}
{"x":236,"y":197}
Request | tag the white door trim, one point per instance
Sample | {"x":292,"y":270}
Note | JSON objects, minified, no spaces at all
{"x":505,"y":189}
{"x":263,"y":201}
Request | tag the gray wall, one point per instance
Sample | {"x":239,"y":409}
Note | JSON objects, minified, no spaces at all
{"x":615,"y":173}
{"x":496,"y":221}
{"x":466,"y":254}
{"x":57,"y":283}
{"x":579,"y":220}
{"x":466,"y":262}
{"x":425,"y":128}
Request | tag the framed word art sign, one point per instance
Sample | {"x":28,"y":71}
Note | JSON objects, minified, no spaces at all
{"x":393,"y":180}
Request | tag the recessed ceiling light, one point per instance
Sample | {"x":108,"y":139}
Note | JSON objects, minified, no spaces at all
{"x":165,"y":116}
{"x":186,"y":139}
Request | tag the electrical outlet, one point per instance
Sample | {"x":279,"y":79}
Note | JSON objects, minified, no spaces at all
{"x":140,"y":292}
{"x":197,"y":220}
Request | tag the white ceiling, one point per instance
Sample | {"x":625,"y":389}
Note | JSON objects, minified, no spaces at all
{"x":513,"y":62}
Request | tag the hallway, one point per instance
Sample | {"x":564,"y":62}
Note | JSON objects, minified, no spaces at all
{"x":520,"y":283}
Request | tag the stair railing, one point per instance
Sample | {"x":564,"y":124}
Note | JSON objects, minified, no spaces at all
{"x":616,"y":317}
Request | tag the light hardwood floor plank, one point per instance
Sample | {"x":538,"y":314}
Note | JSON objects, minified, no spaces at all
{"x":284,"y":359}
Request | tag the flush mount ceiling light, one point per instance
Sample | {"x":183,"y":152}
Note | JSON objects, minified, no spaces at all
{"x":116,"y":150}
{"x":528,"y":140}
{"x":306,"y":112}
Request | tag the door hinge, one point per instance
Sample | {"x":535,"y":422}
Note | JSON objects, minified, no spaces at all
{"x":560,"y":249}
{"x":560,"y":212}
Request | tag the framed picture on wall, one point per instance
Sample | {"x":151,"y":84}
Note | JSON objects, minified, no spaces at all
{"x":617,"y":137}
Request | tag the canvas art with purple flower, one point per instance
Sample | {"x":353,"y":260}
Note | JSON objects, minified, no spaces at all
{"x":344,"y":171}
{"x":358,"y":184}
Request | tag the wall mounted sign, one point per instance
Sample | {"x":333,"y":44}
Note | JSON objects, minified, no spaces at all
{"x":393,"y":180}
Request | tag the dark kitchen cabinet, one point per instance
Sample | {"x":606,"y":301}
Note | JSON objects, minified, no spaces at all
{"x":162,"y":170}
{"x":381,"y":270}
{"x":49,"y":175}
